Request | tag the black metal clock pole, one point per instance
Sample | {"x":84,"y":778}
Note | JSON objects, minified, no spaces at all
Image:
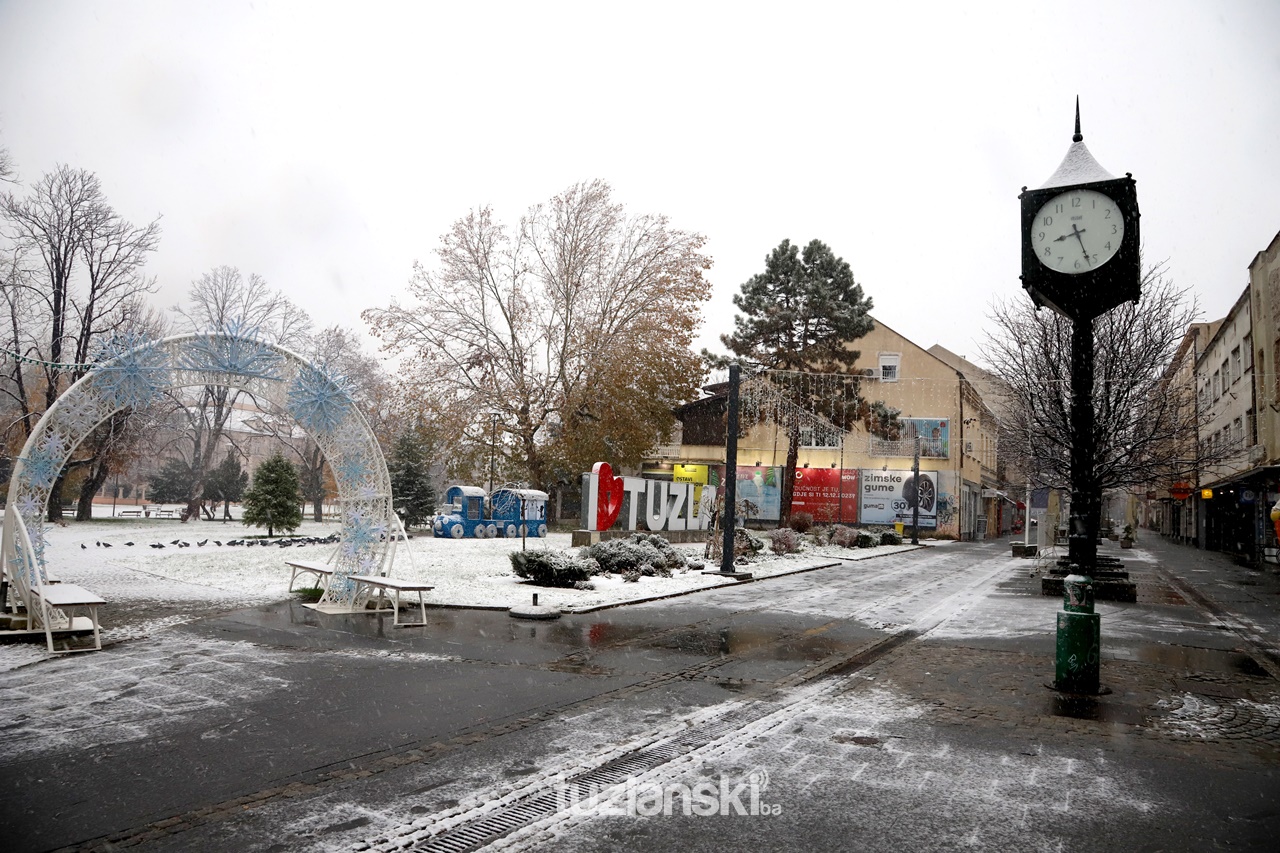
{"x":1081,"y":258}
{"x":1086,"y":501}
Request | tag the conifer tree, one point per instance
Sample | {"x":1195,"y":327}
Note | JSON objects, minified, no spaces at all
{"x":274,"y":500}
{"x":227,"y":483}
{"x":800,"y":314}
{"x":413,"y":497}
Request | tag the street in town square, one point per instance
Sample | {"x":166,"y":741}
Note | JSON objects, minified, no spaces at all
{"x":891,"y":703}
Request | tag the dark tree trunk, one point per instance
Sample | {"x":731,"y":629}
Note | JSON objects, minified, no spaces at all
{"x":788,"y":484}
{"x":98,"y":474}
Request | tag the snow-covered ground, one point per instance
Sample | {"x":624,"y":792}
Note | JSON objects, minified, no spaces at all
{"x":177,"y":582}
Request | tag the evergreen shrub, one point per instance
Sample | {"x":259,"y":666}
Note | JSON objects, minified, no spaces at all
{"x":647,"y":553}
{"x":550,"y":568}
{"x":867,"y":540}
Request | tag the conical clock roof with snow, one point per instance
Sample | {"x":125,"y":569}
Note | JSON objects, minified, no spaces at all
{"x":1080,"y":239}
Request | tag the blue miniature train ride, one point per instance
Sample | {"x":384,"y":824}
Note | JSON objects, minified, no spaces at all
{"x":512,"y":513}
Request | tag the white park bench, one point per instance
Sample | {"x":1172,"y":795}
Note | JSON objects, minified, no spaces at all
{"x":48,"y":602}
{"x":322,"y":572}
{"x":366,"y":586}
{"x":385,"y":585}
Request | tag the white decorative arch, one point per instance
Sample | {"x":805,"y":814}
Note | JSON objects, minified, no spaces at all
{"x":133,"y":375}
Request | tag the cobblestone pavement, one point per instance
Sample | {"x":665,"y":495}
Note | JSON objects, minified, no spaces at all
{"x":896,"y":706}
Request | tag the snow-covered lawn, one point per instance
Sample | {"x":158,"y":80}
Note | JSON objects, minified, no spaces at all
{"x":466,"y":573}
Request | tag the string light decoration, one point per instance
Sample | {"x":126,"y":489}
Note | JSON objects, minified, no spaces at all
{"x":128,"y":372}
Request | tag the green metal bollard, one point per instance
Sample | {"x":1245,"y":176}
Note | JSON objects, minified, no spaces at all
{"x":1079,"y":639}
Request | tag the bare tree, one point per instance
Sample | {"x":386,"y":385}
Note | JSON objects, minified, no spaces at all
{"x":570,"y":334}
{"x":74,"y":272}
{"x":223,"y":300}
{"x":1142,"y":420}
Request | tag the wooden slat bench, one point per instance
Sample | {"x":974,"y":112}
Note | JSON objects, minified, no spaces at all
{"x":64,"y":596}
{"x":383,"y":585}
{"x":322,"y":571}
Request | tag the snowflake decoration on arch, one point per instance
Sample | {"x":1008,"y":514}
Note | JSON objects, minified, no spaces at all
{"x":42,"y":466}
{"x":361,"y":535}
{"x":351,"y":469}
{"x":318,"y":402}
{"x":117,"y":345}
{"x":235,"y":349}
{"x":133,"y":378}
{"x":79,"y":412}
{"x":32,"y":511}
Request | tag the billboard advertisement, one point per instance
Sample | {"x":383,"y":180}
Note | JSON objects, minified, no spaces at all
{"x":760,"y":485}
{"x":935,"y":437}
{"x":699,"y":475}
{"x":828,"y":494}
{"x":888,"y":496}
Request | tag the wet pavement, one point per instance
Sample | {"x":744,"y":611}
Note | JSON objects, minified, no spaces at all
{"x":895,"y":704}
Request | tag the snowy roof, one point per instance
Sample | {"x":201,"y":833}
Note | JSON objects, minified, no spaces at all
{"x":527,"y":494}
{"x":1078,"y":167}
{"x":465,"y":491}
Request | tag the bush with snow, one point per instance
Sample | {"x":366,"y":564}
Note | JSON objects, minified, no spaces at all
{"x":801,"y":521}
{"x":784,"y":540}
{"x":647,"y":553}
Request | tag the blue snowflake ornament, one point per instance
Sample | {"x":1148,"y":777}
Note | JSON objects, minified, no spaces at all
{"x":236,"y":350}
{"x":133,"y":378}
{"x":318,"y":402}
{"x":360,"y":537}
{"x":44,"y":463}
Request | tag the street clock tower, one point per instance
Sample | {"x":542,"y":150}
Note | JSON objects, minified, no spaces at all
{"x":1080,"y":242}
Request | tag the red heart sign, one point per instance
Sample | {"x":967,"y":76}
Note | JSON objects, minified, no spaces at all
{"x":609,"y":489}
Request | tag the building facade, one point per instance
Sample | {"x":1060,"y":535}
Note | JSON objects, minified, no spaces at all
{"x":858,"y":473}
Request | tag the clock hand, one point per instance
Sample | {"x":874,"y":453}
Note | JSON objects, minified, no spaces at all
{"x":1077,"y":232}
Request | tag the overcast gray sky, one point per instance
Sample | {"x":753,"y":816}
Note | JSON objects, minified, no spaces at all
{"x":328,"y":146}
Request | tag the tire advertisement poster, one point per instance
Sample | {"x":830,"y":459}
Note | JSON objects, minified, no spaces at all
{"x":888,"y":496}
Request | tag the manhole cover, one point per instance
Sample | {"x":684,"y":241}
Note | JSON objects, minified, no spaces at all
{"x":1218,"y":718}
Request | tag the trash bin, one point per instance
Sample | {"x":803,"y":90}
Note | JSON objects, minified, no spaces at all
{"x":898,"y":527}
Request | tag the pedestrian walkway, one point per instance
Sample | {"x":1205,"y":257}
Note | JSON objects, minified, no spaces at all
{"x":899,"y":702}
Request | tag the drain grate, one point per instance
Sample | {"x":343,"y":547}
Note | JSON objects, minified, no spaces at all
{"x":475,"y":834}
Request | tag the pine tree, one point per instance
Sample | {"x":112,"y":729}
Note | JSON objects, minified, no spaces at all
{"x":413,"y":497}
{"x":171,"y":483}
{"x":273,"y":500}
{"x":227,"y":483}
{"x":801,"y":313}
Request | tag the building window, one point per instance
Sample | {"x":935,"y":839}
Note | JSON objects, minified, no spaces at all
{"x":809,"y":437}
{"x":889,"y":362}
{"x":1226,"y":375}
{"x":1237,"y":432}
{"x":1236,"y":369}
{"x":1248,"y":352}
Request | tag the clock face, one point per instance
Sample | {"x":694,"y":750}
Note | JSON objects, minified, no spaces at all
{"x":1077,"y":231}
